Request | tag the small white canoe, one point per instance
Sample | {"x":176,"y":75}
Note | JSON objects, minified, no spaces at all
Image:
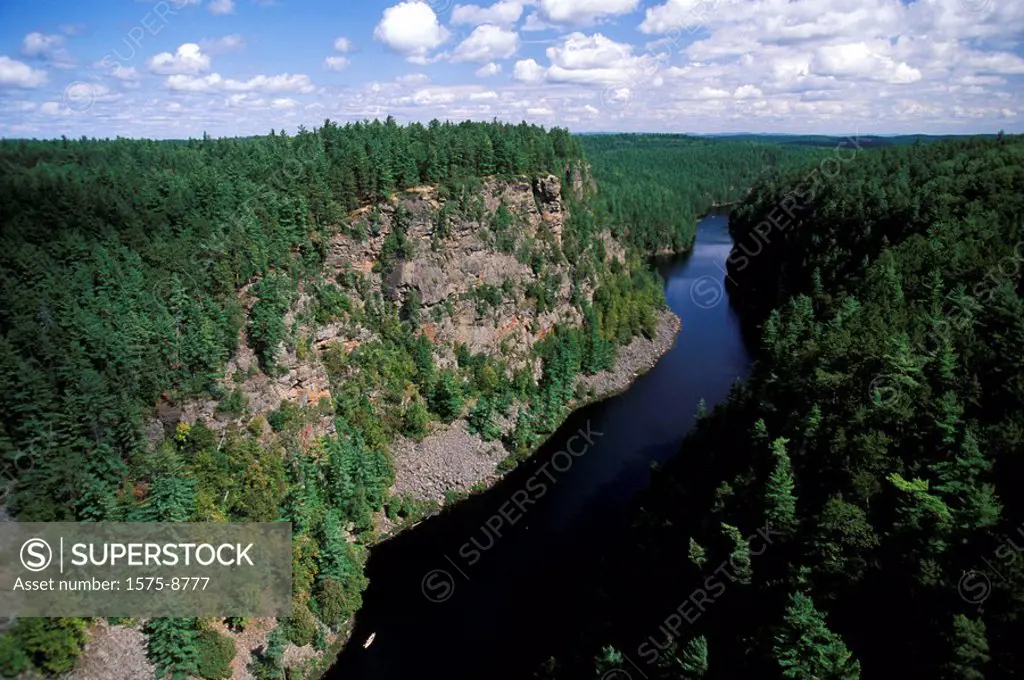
{"x":369,"y":640}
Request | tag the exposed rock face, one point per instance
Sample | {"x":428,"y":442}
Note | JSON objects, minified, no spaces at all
{"x":301,"y":382}
{"x":549,"y":197}
{"x":453,"y":459}
{"x":445,"y":269}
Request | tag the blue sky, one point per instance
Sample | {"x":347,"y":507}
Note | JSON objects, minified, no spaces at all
{"x":179,"y":68}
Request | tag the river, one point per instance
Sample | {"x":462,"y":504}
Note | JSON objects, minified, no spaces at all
{"x":490,"y":588}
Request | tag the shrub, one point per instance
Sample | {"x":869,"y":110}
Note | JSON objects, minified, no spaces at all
{"x":415,"y":421}
{"x":215,"y":654}
{"x":233,"y":404}
{"x":335,"y":603}
{"x":301,"y":626}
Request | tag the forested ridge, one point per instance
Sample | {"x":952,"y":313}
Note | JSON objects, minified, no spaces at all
{"x":653,"y":187}
{"x":877,"y":443}
{"x":130,"y":269}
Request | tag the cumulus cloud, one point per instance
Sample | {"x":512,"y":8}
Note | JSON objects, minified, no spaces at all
{"x":187,"y":59}
{"x":336,"y":63}
{"x":597,"y":59}
{"x":487,"y":43}
{"x":747,"y":92}
{"x":14,"y":73}
{"x":488,"y":70}
{"x":343,"y":45}
{"x":412,"y":29}
{"x":284,"y":83}
{"x":49,"y":48}
{"x":860,"y":60}
{"x":528,"y":71}
{"x":582,"y":12}
{"x":503,"y":13}
{"x":125,"y":73}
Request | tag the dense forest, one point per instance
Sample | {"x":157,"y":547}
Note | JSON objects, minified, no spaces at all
{"x":876,"y":442}
{"x":129,"y":270}
{"x":652,"y":188}
{"x":872,"y":455}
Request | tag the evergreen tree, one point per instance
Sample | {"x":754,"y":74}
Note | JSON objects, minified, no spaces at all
{"x":780,"y":503}
{"x":970,"y":650}
{"x":447,"y":399}
{"x":694,"y":659}
{"x":807,"y":650}
{"x":173,"y":646}
{"x":698,"y":555}
{"x":739,"y":557}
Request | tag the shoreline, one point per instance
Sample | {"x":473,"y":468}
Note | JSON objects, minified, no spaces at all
{"x":455,"y":461}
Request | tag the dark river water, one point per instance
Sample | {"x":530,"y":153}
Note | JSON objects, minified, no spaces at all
{"x":494,"y":586}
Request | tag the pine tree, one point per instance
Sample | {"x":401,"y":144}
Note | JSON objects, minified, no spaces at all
{"x":806,"y":649}
{"x":610,"y":659}
{"x":970,"y":650}
{"x":447,"y":399}
{"x":739,"y":558}
{"x":698,"y":555}
{"x":268,"y":662}
{"x":694,"y":659}
{"x":173,"y":646}
{"x":780,"y":503}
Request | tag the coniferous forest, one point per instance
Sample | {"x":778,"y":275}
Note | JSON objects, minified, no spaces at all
{"x":877,"y":442}
{"x":122,"y":267}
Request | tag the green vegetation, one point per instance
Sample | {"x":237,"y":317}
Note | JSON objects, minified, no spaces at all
{"x":652,"y":188}
{"x":128,"y":270}
{"x":879,"y":435}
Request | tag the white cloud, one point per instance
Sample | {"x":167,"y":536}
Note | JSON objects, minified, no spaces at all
{"x":582,"y":12}
{"x":336,"y":63}
{"x":49,"y":48}
{"x":503,"y":13}
{"x":251,"y":102}
{"x":221,"y":6}
{"x":488,"y":70}
{"x":412,"y":29}
{"x":529,"y":71}
{"x":860,"y":60}
{"x":711,"y":93}
{"x":187,"y":59}
{"x":284,"y":83}
{"x":486,"y":43}
{"x":434,"y":96}
{"x":483,"y":96}
{"x":596,"y":59}
{"x":413,"y":79}
{"x":747,"y":92}
{"x":343,"y":45}
{"x":14,"y":73}
{"x":124,"y":73}
{"x":54,"y":109}
{"x":227,"y":43}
